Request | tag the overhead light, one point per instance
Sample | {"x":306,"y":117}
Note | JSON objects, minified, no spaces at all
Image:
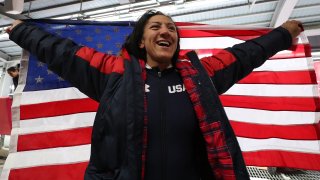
{"x":13,"y":6}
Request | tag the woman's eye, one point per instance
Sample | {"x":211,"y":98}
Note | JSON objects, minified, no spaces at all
{"x":154,"y":27}
{"x":172,"y":28}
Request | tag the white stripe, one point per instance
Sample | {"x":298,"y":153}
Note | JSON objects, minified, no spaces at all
{"x":272,"y":117}
{"x":279,"y":90}
{"x":35,"y":97}
{"x":51,"y":156}
{"x":293,"y":64}
{"x":57,"y":123}
{"x":208,"y":42}
{"x":222,"y":27}
{"x":303,"y":146}
{"x":212,"y":42}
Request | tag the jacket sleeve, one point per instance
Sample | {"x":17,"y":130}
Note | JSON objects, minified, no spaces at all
{"x":230,"y":65}
{"x":62,"y":57}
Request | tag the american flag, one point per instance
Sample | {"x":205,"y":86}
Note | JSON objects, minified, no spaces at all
{"x":275,"y":111}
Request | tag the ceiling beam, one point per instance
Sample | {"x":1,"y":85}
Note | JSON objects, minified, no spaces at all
{"x":312,"y":32}
{"x":126,"y":1}
{"x":4,"y":57}
{"x":12,"y":16}
{"x":282,"y":12}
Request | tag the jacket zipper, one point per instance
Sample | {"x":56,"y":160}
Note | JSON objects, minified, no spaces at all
{"x":163,"y":129}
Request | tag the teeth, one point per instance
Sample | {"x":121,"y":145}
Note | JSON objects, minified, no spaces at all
{"x":164,"y":43}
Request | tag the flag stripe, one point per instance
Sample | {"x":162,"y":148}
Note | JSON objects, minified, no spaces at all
{"x":224,"y":42}
{"x":287,"y":77}
{"x":310,"y":146}
{"x":274,"y":158}
{"x":55,"y":123}
{"x":86,"y":104}
{"x":81,"y":153}
{"x":57,"y":108}
{"x":208,"y":42}
{"x":305,"y":90}
{"x":81,"y":136}
{"x":72,"y":137}
{"x":272,"y":117}
{"x":272,"y":103}
{"x":247,"y":115}
{"x":34,"y":97}
{"x":53,"y":156}
{"x":50,"y":172}
{"x":202,"y":31}
{"x":297,"y":51}
{"x":293,"y":64}
{"x":263,"y":131}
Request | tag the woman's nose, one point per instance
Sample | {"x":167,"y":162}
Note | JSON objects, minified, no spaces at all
{"x":164,"y":30}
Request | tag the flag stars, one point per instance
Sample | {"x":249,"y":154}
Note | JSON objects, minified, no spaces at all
{"x":108,"y":37}
{"x":116,"y":29}
{"x":60,"y":78}
{"x":78,"y":31}
{"x":100,"y":45}
{"x":109,"y":52}
{"x":89,"y":39}
{"x":118,"y":45}
{"x":97,"y":30}
{"x":39,"y":79}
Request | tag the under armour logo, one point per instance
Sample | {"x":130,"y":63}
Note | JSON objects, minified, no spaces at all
{"x":146,"y":88}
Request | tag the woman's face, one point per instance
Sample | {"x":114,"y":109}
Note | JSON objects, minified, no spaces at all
{"x":160,"y":39}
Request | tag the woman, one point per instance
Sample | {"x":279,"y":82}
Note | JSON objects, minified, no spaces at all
{"x":159,"y":116}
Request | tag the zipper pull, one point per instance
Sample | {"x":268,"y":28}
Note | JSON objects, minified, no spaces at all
{"x":159,"y":74}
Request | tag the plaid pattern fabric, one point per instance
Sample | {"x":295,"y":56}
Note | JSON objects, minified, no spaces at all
{"x":145,"y":122}
{"x":218,"y":154}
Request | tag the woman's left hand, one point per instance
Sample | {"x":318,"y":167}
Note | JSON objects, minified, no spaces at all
{"x":294,"y":27}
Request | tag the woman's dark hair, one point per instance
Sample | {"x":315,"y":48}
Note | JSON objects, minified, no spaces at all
{"x":13,"y":69}
{"x":134,"y":39}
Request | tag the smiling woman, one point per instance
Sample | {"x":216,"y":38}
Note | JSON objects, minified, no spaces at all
{"x":160,"y":116}
{"x":160,"y":39}
{"x":155,"y":39}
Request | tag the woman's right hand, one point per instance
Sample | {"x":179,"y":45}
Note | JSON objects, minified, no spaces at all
{"x":14,"y":24}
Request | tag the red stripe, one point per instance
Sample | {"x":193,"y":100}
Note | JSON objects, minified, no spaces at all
{"x":66,"y":138}
{"x":272,"y":158}
{"x":103,"y":62}
{"x":299,"y":51}
{"x":287,"y":77}
{"x":239,"y":34}
{"x":263,"y":131}
{"x":57,"y":108}
{"x":50,"y":172}
{"x":272,"y":103}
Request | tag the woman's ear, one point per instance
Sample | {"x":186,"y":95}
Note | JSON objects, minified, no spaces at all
{"x":141,"y":45}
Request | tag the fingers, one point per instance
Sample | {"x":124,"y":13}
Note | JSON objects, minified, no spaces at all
{"x":301,"y":27}
{"x":294,"y":27}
